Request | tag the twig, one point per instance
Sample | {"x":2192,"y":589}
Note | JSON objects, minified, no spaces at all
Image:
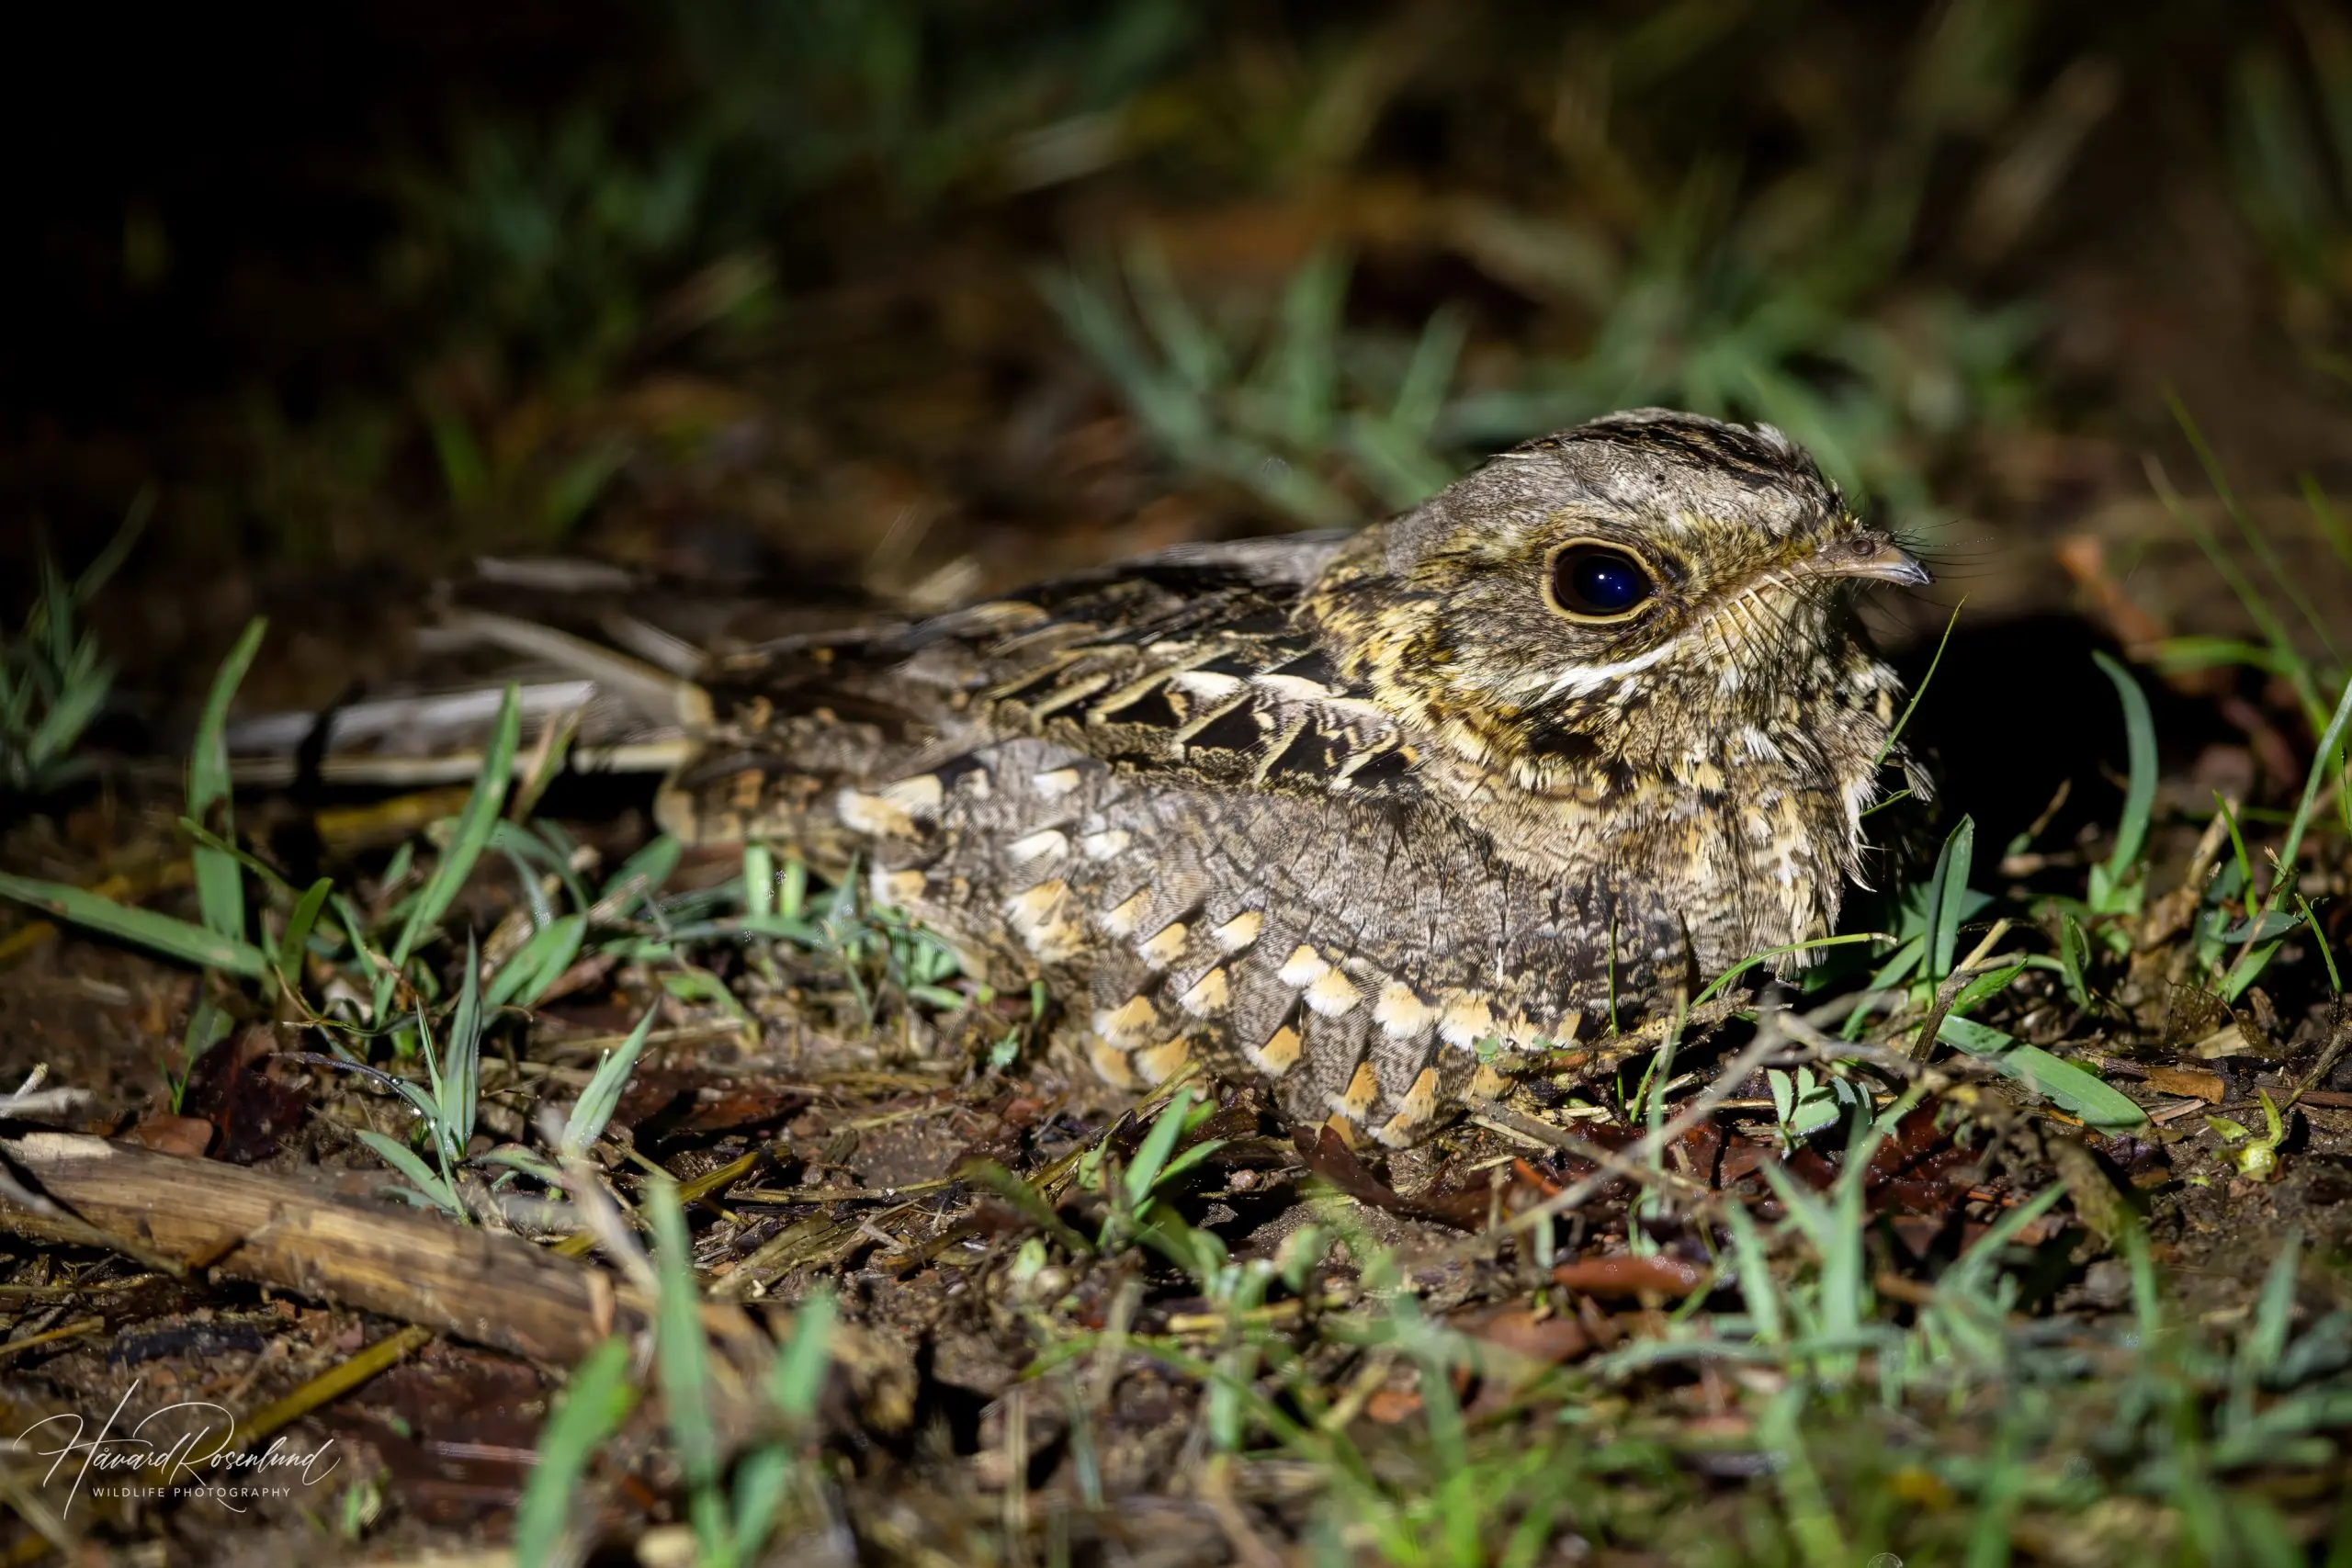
{"x":490,"y":1289}
{"x":1503,"y":1118}
{"x":1954,"y":983}
{"x":1771,"y":1035}
{"x":1215,"y":1489}
{"x":605,"y":1227}
{"x":80,"y":1325}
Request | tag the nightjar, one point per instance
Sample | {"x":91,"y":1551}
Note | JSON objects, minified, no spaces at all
{"x":1375,"y":815}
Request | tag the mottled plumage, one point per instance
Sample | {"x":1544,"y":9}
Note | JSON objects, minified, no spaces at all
{"x":1374,"y":815}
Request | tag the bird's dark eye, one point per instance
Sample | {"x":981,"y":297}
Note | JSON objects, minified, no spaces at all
{"x":1599,"y":581}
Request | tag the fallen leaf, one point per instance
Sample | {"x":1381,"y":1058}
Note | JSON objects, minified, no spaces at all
{"x":2189,"y":1081}
{"x":186,"y":1135}
{"x":1326,"y":1154}
{"x":1549,"y":1338}
{"x":1624,"y":1276}
{"x":2225,"y":1041}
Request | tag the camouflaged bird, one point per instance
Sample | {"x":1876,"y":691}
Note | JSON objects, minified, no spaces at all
{"x":1375,"y":815}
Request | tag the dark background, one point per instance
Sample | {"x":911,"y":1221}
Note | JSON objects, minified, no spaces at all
{"x":255,"y":263}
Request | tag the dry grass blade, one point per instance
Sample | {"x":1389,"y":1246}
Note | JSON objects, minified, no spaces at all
{"x":334,"y":1382}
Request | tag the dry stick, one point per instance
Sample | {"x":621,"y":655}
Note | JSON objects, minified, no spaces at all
{"x":1502,"y":1117}
{"x":1771,"y":1034}
{"x":606,"y":1226}
{"x":79,"y":1327}
{"x":480,"y":1286}
{"x":1215,"y":1489}
{"x":1954,"y":983}
{"x":2339,"y":1041}
{"x":484,"y":1287}
{"x":69,"y":1226}
{"x":49,"y":1527}
{"x":1016,"y":1472}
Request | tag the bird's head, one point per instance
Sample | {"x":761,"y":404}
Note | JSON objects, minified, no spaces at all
{"x":1644,"y":591}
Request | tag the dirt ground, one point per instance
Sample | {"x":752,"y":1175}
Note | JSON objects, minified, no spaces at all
{"x":861,"y":381}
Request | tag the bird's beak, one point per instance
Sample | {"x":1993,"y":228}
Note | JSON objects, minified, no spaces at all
{"x":1876,"y":556}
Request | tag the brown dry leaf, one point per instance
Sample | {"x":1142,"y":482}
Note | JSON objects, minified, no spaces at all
{"x":1327,"y":1156}
{"x":2188,"y":1081}
{"x":187,"y":1136}
{"x":1626,"y":1276}
{"x":1523,"y":1332}
{"x":1519,"y":1344}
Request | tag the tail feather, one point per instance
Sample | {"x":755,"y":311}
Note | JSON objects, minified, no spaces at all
{"x":579,"y":653}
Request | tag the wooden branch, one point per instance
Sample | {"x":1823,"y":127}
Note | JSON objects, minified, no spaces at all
{"x":491,"y":1289}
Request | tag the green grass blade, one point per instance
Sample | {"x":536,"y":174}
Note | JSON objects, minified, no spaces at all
{"x":1897,"y":967}
{"x":2248,"y":969}
{"x":2330,"y":521}
{"x":595,"y":1401}
{"x":219,"y":882}
{"x":2005,"y":1481}
{"x":1302,"y":369}
{"x":2331,"y":743}
{"x":2266,"y":1340}
{"x":2237,"y":842}
{"x":100,"y":571}
{"x":2319,"y":939}
{"x":2291,"y":662}
{"x":475,"y":824}
{"x":2074,"y":959}
{"x":1194,"y":354}
{"x":1420,"y":391}
{"x":682,"y":1367}
{"x":1151,"y":1159}
{"x":759,"y":880}
{"x":539,"y":963}
{"x":298,"y":926}
{"x":554,"y":750}
{"x":652,"y":864}
{"x":158,"y":933}
{"x":261,"y":868}
{"x":1946,"y":893}
{"x":76,"y":703}
{"x":1188,"y":1160}
{"x":797,"y":1379}
{"x":421,"y":1177}
{"x":2140,"y":795}
{"x":1902,"y":722}
{"x":434,"y":1099}
{"x":528,"y":846}
{"x":2256,"y":539}
{"x":2184,"y":654}
{"x":594,"y":1106}
{"x":461,"y":1077}
{"x":1972,"y":1272}
{"x":1988,"y":985}
{"x":2071,"y":1088}
{"x":1812,"y":1520}
{"x":1755,"y":1284}
{"x":762,"y":1478}
{"x":1716,"y":985}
